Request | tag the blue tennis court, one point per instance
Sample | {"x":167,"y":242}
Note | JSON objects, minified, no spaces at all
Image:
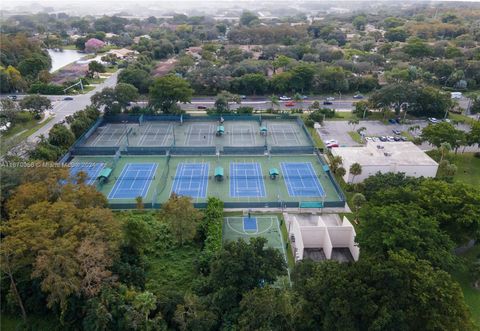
{"x":134,"y":181}
{"x":191,"y":179}
{"x":246,"y":180}
{"x":250,"y":224}
{"x":91,"y":169}
{"x":301,"y":179}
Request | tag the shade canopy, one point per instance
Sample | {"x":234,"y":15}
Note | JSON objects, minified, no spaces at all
{"x":218,"y":171}
{"x":105,"y":173}
{"x":274,"y":172}
{"x":220,"y":128}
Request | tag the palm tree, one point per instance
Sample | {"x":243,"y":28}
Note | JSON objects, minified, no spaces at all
{"x":355,"y":170}
{"x":335,"y":163}
{"x":273,"y":101}
{"x":354,"y":123}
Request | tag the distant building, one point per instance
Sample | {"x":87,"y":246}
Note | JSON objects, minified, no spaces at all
{"x":93,"y":45}
{"x":136,"y":40}
{"x":124,"y":53}
{"x":322,"y":237}
{"x":386,"y":157}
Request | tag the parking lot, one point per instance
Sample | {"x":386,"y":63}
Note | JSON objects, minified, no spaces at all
{"x":338,"y":130}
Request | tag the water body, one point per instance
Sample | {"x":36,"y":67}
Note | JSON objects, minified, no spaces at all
{"x":61,"y":59}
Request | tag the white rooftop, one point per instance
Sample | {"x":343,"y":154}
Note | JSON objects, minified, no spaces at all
{"x":385,"y":153}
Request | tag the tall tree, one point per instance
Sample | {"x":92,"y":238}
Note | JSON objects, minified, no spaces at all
{"x":399,"y":292}
{"x":355,"y":170}
{"x":444,"y":132}
{"x":62,"y":233}
{"x":37,"y":104}
{"x":167,"y":91}
{"x":240,"y":267}
{"x":393,"y":228}
{"x":181,"y":217}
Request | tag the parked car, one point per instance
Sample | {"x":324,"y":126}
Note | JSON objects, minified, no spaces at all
{"x":433,"y":120}
{"x":368,"y":138}
{"x":289,"y":104}
{"x":390,"y":138}
{"x":243,"y":97}
{"x":402,"y":138}
{"x":285,"y":98}
{"x":375,"y":139}
{"x":201,"y":107}
{"x":304,"y":97}
{"x":395,"y":131}
{"x":392,"y":121}
{"x":397,"y":138}
{"x":331,"y":141}
{"x":382,"y":138}
{"x":329,"y":98}
{"x":328,"y":103}
{"x":332,"y":145}
{"x":68,"y":98}
{"x":358,"y":96}
{"x":12,"y":97}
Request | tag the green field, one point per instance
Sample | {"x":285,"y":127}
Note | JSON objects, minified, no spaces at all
{"x":468,"y":168}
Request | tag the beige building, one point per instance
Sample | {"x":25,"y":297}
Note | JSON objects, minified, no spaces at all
{"x":386,"y":157}
{"x":322,"y":237}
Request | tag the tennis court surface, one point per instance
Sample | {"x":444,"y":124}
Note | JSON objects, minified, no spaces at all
{"x":134,"y":181}
{"x":301,"y":179}
{"x":246,"y":180}
{"x":191,"y":179}
{"x":90,"y":169}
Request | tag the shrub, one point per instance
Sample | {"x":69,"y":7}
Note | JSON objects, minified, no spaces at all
{"x":42,"y":88}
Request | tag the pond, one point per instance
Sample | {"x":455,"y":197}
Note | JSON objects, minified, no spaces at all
{"x":61,"y":59}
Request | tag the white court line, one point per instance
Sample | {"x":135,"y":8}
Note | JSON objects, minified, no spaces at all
{"x":115,"y":188}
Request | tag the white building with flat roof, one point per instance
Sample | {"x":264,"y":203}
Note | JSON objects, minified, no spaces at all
{"x":321,"y":237}
{"x":386,"y":157}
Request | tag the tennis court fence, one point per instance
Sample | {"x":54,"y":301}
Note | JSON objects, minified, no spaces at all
{"x":185,"y":150}
{"x":292,"y":149}
{"x":138,"y":150}
{"x":253,"y":150}
{"x":244,"y":205}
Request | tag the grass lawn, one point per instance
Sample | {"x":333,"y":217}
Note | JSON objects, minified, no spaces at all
{"x":174,"y":269}
{"x":316,"y":138}
{"x":38,"y":323}
{"x":468,"y":168}
{"x":23,"y":130}
{"x":472,"y":295}
{"x":408,"y":135}
{"x":87,"y":89}
{"x":461,"y":118}
{"x":343,"y":116}
{"x":355,"y":136}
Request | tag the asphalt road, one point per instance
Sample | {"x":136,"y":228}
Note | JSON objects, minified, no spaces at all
{"x":63,"y":108}
{"x":262,"y":103}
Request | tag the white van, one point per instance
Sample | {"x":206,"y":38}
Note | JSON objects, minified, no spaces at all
{"x":456,"y":95}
